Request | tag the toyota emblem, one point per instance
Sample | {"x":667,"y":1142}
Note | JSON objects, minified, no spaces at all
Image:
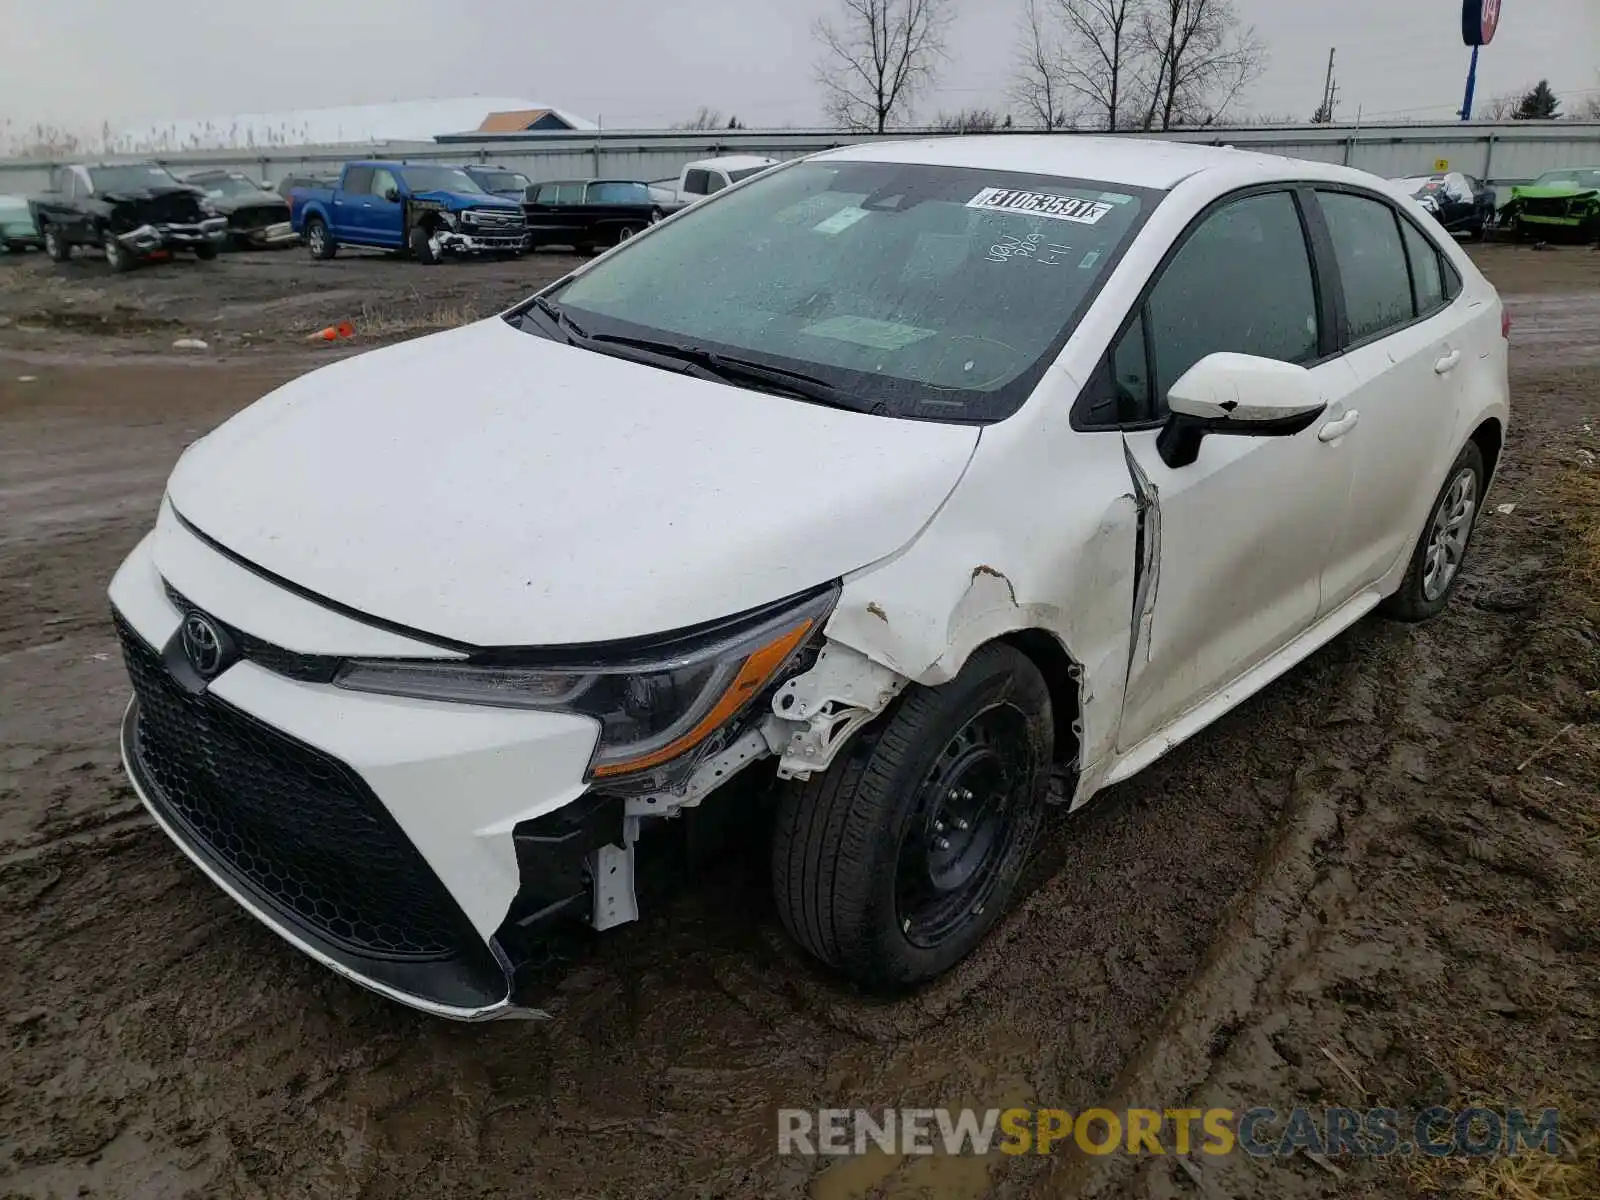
{"x":202,"y":645}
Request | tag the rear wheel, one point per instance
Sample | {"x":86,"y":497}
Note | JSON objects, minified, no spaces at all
{"x":893,"y":864}
{"x":205,"y":251}
{"x":319,"y":242}
{"x":626,"y":232}
{"x":1440,"y":552}
{"x":118,"y":257}
{"x":55,"y":245}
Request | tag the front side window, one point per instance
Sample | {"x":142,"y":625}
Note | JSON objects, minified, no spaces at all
{"x":1372,"y":263}
{"x":382,"y":182}
{"x":547,"y":193}
{"x":1241,"y":283}
{"x":503,"y":181}
{"x":358,"y":181}
{"x":922,"y":291}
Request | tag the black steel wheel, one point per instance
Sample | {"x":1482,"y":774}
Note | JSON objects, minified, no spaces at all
{"x":893,"y":864}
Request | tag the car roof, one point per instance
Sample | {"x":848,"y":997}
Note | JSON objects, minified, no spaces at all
{"x":1131,"y":161}
{"x":731,"y":162}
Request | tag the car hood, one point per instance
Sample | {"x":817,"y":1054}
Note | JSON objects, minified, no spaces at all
{"x":1553,"y":193}
{"x":460,"y":200}
{"x":500,"y":489}
{"x":133,"y":195}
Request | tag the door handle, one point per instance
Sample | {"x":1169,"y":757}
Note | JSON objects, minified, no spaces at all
{"x":1448,"y":363}
{"x":1334,"y":430}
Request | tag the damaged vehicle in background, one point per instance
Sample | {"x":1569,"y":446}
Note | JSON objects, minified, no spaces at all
{"x":1462,"y":204}
{"x":258,"y":218}
{"x":499,"y":181}
{"x":900,"y":490}
{"x":425,"y":209}
{"x":1558,"y":202}
{"x":134,"y":213}
{"x":17,"y":230}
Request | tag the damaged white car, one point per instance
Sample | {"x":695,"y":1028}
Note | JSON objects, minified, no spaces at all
{"x":921,"y":475}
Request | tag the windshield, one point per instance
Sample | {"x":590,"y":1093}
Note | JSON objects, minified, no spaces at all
{"x":439,"y":179}
{"x":1568,"y":179}
{"x":131,"y":179}
{"x":744,"y":173}
{"x":504,"y":181}
{"x":936,"y":292}
{"x":232,"y":185}
{"x":612,"y":192}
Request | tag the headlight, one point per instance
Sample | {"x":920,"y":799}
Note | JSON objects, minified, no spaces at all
{"x":655,"y":708}
{"x":208,"y":209}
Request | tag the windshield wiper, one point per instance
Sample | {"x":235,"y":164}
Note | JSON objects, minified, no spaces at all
{"x":559,"y":316}
{"x":732,"y":369}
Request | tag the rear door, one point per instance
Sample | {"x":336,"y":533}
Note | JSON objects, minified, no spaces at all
{"x":349,"y":201}
{"x":1239,"y":536}
{"x":1405,"y":341}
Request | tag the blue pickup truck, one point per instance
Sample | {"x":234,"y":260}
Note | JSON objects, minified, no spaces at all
{"x":427,"y":209}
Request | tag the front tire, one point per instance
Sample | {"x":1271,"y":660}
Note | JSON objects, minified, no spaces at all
{"x":118,"y":256}
{"x":56,"y":246}
{"x":422,"y":249}
{"x":205,"y":251}
{"x":893,"y":864}
{"x":1440,"y":553}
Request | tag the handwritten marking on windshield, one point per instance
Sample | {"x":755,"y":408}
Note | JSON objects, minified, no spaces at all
{"x":1028,"y":247}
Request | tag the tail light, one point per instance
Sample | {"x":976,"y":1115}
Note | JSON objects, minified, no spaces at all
{"x":1505,"y":323}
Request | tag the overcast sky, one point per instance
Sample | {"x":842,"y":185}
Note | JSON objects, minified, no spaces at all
{"x":640,"y":63}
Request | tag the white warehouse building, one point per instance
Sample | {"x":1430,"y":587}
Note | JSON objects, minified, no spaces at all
{"x":349,"y":125}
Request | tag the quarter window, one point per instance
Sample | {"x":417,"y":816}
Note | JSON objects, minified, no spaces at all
{"x":1372,"y":264}
{"x":358,"y":180}
{"x":1427,"y":277}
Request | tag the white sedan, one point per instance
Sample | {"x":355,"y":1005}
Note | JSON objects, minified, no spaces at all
{"x":915,"y":475}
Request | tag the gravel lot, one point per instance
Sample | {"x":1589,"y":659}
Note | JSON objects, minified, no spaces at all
{"x":1375,"y":883}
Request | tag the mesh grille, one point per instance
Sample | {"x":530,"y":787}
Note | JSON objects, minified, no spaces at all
{"x":298,"y":826}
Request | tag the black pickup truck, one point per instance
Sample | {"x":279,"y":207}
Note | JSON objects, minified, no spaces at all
{"x":133,"y":213}
{"x":587,"y":214}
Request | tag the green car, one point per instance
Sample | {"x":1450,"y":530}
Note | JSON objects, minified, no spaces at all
{"x":17,"y":230}
{"x":1565,"y":200}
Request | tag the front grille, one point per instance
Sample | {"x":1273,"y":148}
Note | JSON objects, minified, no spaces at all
{"x":1548,"y":208}
{"x":298,"y":828}
{"x":172,"y":208}
{"x":493,"y":219}
{"x":258,"y":216}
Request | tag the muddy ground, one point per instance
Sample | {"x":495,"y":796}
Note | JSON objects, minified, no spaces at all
{"x":1375,"y":883}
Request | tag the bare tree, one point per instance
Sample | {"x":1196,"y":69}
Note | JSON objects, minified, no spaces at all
{"x":1589,"y":110}
{"x":1037,"y":85}
{"x":972,"y":120}
{"x":1099,"y":68}
{"x":877,"y":57}
{"x":1501,"y":108}
{"x":1201,"y":59}
{"x":704,"y":118}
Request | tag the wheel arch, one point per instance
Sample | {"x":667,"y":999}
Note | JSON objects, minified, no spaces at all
{"x":1489,"y":436}
{"x":1063,"y":675}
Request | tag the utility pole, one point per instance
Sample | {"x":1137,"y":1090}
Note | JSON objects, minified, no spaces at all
{"x":1330,"y":90}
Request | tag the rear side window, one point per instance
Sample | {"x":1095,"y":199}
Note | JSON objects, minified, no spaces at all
{"x":1372,"y":264}
{"x":715,"y":182}
{"x":1427,"y":270}
{"x":697,"y":183}
{"x":358,"y":180}
{"x":570,"y":193}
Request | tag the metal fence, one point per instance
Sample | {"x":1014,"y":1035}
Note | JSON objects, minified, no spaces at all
{"x":1503,"y":153}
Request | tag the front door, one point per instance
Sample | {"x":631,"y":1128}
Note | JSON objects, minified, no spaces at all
{"x":1240,"y":536}
{"x":382,"y":218}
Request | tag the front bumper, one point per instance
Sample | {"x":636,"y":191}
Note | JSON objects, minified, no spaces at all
{"x":280,"y":233}
{"x":149,"y":238}
{"x":467,"y":241}
{"x":404,"y":844}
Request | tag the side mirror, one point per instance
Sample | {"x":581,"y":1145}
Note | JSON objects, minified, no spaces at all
{"x":1236,"y":394}
{"x":392,"y":195}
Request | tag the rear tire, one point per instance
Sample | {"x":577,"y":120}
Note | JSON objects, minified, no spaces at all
{"x":626,"y":232}
{"x":118,"y":257}
{"x":1440,"y":554}
{"x":205,"y":252}
{"x":422,"y":249}
{"x":55,"y":245}
{"x":893,"y":864}
{"x":319,"y":242}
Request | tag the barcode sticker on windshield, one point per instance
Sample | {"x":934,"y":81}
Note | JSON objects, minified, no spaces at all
{"x":1041,"y":204}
